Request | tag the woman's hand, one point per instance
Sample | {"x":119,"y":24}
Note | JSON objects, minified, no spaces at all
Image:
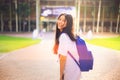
{"x":62,"y":65}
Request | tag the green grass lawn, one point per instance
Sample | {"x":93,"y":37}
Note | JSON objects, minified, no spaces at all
{"x":8,"y":43}
{"x":113,"y":43}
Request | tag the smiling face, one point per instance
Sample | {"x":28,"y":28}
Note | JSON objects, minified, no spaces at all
{"x":61,"y":22}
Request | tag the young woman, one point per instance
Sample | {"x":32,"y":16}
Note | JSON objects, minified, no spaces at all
{"x":64,"y":42}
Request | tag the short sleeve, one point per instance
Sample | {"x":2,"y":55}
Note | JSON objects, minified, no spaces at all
{"x":63,"y":44}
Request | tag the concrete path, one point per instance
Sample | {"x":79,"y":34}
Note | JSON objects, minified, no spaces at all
{"x":37,"y":62}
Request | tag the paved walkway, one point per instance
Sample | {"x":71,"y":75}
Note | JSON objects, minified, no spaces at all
{"x":37,"y":62}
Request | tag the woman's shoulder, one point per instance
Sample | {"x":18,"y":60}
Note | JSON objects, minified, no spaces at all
{"x":64,"y":36}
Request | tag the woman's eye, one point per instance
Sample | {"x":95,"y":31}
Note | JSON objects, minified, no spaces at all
{"x":59,"y":19}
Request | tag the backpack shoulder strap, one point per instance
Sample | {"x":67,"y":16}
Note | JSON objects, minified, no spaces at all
{"x":74,"y":59}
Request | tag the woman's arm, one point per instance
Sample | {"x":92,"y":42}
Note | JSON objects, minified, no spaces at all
{"x":62,"y":65}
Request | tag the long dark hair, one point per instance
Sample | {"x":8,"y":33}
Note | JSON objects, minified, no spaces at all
{"x":69,"y":27}
{"x":68,"y":30}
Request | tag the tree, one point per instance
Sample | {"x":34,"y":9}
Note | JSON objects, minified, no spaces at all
{"x":10,"y":14}
{"x":93,"y":15}
{"x":23,"y":12}
{"x":118,"y":18}
{"x":29,"y":19}
{"x":37,"y":14}
{"x":85,"y":12}
{"x":1,"y":16}
{"x":77,"y":19}
{"x":112,"y":10}
{"x":16,"y":15}
{"x":98,"y":20}
{"x":103,"y":14}
{"x":3,"y":10}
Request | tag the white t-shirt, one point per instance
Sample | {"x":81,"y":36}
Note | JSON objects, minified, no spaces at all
{"x":72,"y":71}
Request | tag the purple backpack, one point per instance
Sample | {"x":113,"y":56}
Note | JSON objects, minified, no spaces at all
{"x":85,"y":62}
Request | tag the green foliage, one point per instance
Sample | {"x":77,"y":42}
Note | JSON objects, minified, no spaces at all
{"x":23,"y":9}
{"x":4,"y":8}
{"x":113,"y":43}
{"x":8,"y":43}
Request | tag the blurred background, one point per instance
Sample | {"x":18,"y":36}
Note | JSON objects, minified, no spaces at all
{"x":30,"y":55}
{"x":26,"y":15}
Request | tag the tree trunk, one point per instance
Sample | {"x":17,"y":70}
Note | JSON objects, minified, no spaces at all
{"x":98,"y":20}
{"x":103,"y":20}
{"x":111,"y":21}
{"x":117,"y":23}
{"x":37,"y":14}
{"x":111,"y":24}
{"x":16,"y":15}
{"x":10,"y":21}
{"x":93,"y":14}
{"x":20,"y":20}
{"x":29,"y":20}
{"x":2,"y":24}
{"x":29,"y":25}
{"x":77,"y":21}
{"x":85,"y":11}
{"x":118,"y":19}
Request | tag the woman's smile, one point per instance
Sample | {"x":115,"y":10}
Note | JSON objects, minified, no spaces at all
{"x":61,"y":22}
